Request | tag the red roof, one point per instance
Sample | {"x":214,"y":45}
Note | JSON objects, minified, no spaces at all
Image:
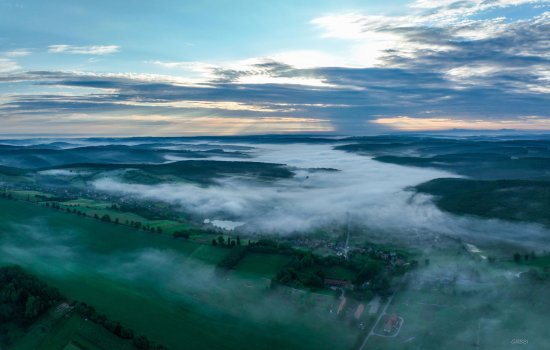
{"x":391,"y":323}
{"x":339,"y":283}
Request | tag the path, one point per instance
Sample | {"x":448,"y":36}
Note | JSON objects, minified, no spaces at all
{"x":382,"y":313}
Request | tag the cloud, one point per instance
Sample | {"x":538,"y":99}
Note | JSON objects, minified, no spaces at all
{"x":261,"y":70}
{"x":374,"y":194}
{"x":84,"y":50}
{"x":347,"y":102}
{"x":464,"y":7}
{"x":450,"y":59}
{"x":160,"y":124}
{"x":17,"y":53}
{"x":440,"y":30}
{"x":430,"y":124}
{"x":8,"y":65}
{"x":199,"y":67}
{"x":223,"y":105}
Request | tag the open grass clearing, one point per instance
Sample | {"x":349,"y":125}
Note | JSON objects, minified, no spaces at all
{"x":158,"y":286}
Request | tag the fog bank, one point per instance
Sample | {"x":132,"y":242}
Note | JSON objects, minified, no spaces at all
{"x":376,"y":195}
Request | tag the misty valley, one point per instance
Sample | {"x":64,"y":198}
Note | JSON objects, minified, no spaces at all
{"x":402,"y":241}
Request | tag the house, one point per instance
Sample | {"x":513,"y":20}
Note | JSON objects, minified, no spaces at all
{"x":342,"y":305}
{"x":391,"y":323}
{"x":374,"y":305}
{"x":337,"y":283}
{"x":359,"y":311}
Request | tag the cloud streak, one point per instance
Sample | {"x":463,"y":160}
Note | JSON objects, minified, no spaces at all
{"x":445,"y":60}
{"x":8,"y":65}
{"x":84,"y":50}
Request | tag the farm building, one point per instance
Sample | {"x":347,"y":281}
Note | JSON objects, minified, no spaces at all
{"x":391,"y":323}
{"x":337,"y":283}
{"x":359,"y":311}
{"x":342,"y":305}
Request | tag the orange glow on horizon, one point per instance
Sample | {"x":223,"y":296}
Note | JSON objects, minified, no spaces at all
{"x":406,"y":123}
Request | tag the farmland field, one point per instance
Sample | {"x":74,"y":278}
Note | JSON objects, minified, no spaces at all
{"x":262,"y":264}
{"x":92,"y":208}
{"x":466,"y":313}
{"x":69,"y":333}
{"x":159,"y":286}
{"x":302,"y":246}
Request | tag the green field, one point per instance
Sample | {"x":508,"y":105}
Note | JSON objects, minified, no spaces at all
{"x":70,"y":332}
{"x":435,"y":320}
{"x":32,"y":196}
{"x":487,"y":307}
{"x":92,"y":208}
{"x":161,"y":287}
{"x":539,"y":261}
{"x":339,"y":272}
{"x":265,"y":265}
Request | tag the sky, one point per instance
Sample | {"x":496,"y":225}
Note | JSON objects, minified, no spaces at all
{"x":216,"y":67}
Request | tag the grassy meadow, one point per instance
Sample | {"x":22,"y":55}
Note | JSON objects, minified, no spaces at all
{"x":162,"y":287}
{"x":462,"y":302}
{"x":92,"y":208}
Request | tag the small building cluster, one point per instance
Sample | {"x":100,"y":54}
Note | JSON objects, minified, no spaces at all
{"x":392,"y":324}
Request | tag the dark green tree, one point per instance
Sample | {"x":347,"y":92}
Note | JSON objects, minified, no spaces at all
{"x":32,"y":307}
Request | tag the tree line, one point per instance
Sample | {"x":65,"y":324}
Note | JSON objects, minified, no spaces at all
{"x":24,"y":298}
{"x":238,"y":251}
{"x":140,"y":342}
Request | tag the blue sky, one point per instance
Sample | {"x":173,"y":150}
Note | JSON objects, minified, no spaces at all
{"x":244,"y":67}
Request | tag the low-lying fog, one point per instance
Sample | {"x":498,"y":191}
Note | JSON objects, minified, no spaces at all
{"x":138,"y":270}
{"x":375,"y":194}
{"x":467,"y":300}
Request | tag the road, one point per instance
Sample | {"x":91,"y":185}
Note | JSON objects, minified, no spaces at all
{"x":382,"y":313}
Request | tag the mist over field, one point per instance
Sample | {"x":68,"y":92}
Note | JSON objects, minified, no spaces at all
{"x":274,"y":175}
{"x":62,"y":254}
{"x":328,"y":186}
{"x":157,"y":278}
{"x":202,"y":242}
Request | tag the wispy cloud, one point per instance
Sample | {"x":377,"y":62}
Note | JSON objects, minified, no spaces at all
{"x":8,"y":65}
{"x":121,"y":124}
{"x":432,"y":124}
{"x":17,"y":53}
{"x":433,"y":27}
{"x":84,"y":50}
{"x":443,"y":62}
{"x":261,"y":70}
{"x":222,"y":105}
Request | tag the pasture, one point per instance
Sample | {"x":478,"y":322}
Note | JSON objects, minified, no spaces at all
{"x":70,"y":332}
{"x":92,"y":208}
{"x":467,"y":303}
{"x":32,"y":196}
{"x":161,"y":287}
{"x":265,"y":265}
